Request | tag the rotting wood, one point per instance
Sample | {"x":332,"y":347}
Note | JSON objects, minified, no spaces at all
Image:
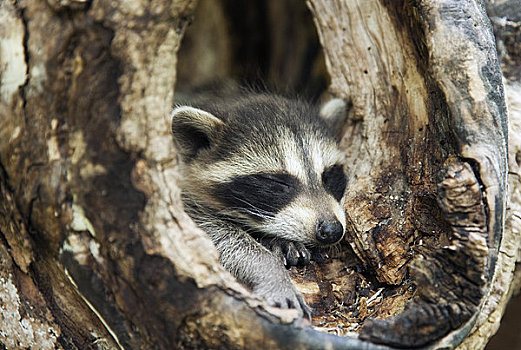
{"x":437,"y":97}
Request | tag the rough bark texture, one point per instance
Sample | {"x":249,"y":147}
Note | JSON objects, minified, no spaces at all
{"x":506,"y":20}
{"x":96,"y":251}
{"x":427,"y":144}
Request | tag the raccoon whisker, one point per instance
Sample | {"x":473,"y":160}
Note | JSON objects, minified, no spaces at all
{"x":253,"y":208}
{"x":253,"y":205}
{"x":201,"y":211}
{"x":259,"y":213}
{"x":232,"y":212}
{"x":333,"y":250}
{"x":246,"y":225}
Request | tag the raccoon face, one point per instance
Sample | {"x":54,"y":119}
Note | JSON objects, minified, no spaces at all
{"x":269,"y":164}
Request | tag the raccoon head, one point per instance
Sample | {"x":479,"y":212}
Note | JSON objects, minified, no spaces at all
{"x":266,"y":163}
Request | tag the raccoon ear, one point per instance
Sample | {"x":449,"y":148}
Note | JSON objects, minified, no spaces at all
{"x":335,"y":112}
{"x":193,"y":129}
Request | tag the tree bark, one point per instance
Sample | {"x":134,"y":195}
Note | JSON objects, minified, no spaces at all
{"x":97,"y":252}
{"x":506,"y":20}
{"x":426,"y":84}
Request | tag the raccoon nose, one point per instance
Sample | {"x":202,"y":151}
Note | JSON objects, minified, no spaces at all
{"x":329,"y":232}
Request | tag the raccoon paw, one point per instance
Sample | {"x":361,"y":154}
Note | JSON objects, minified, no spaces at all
{"x":291,"y":253}
{"x":284,"y":295}
{"x":294,"y":254}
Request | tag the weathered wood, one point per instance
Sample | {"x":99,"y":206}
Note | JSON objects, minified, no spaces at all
{"x":427,"y":99}
{"x":506,"y":21}
{"x":107,"y":256}
{"x":85,"y":102}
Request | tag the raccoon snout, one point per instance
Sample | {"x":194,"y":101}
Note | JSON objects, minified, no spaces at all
{"x":329,"y":232}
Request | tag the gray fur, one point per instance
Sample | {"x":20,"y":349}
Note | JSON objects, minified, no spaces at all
{"x":268,"y":142}
{"x":335,"y":112}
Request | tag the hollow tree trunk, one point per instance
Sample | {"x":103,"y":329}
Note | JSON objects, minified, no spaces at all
{"x":97,"y":252}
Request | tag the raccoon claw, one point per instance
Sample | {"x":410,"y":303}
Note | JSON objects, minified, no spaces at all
{"x":291,"y":253}
{"x":287,"y":299}
{"x":295,"y":254}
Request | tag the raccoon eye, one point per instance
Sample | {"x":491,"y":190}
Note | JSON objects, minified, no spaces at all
{"x":258,"y":195}
{"x":277,"y":183}
{"x":334,"y":181}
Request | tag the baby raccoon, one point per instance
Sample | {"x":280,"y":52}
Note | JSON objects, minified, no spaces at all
{"x":263,"y":176}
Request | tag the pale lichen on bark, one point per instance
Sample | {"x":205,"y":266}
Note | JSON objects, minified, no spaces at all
{"x":17,"y":331}
{"x":12,"y":53}
{"x":24,"y":323}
